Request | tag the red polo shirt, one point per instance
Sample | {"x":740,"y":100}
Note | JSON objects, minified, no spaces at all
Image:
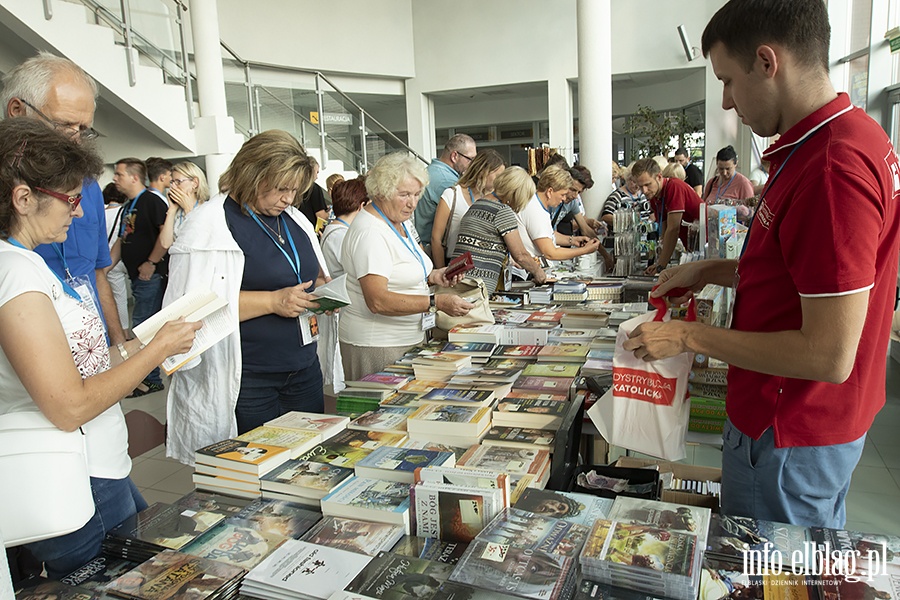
{"x":828,"y":225}
{"x":675,"y":196}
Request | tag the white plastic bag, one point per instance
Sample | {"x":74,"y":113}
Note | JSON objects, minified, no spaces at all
{"x":647,"y":409}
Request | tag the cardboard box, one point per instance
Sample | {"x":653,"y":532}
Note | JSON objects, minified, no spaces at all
{"x":681,"y":471}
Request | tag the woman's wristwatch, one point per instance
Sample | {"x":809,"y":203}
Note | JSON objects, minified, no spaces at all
{"x":432,"y":306}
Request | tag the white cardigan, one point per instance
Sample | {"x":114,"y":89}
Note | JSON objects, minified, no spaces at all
{"x":203,"y":394}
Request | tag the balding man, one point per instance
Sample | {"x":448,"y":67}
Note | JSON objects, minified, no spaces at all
{"x":443,"y":173}
{"x":58,"y":92}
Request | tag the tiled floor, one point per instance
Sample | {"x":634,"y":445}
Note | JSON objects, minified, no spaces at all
{"x":871,"y":504}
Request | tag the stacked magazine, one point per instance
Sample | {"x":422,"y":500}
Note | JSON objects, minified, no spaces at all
{"x":648,"y":546}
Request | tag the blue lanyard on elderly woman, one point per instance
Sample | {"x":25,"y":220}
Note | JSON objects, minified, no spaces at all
{"x":66,"y":287}
{"x":295,"y":263}
{"x":407,"y":241}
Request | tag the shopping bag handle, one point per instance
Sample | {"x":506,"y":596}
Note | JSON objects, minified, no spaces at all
{"x":661,"y":303}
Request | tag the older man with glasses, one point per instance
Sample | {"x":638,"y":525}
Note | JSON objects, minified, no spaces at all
{"x":58,"y":92}
{"x":443,"y":173}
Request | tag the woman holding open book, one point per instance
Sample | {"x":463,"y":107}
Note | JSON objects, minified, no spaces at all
{"x":257,"y":251}
{"x":55,"y":359}
{"x":388,"y":272}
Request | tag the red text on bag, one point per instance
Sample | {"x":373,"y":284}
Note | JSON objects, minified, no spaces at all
{"x":644,"y":385}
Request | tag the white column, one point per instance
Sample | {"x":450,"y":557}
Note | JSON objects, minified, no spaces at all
{"x":594,"y":19}
{"x":216,"y":137}
{"x":559,"y":109}
{"x":420,"y":121}
{"x":723,"y":127}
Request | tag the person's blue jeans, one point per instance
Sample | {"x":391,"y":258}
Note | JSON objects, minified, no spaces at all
{"x":148,"y":296}
{"x":115,"y":500}
{"x":266,"y":396}
{"x":803,"y":485}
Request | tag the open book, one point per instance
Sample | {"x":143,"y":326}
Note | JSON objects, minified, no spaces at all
{"x":332,"y":295}
{"x":198,"y":305}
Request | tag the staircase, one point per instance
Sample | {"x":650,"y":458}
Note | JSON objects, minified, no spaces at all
{"x":157,"y":107}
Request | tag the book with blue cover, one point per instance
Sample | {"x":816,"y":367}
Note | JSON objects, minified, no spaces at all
{"x":399,"y":464}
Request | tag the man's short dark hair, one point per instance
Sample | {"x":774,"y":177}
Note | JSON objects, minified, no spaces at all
{"x":582,"y":175}
{"x":800,"y":26}
{"x":134,"y":166}
{"x":157,"y":166}
{"x":645,"y":165}
{"x":682,"y":152}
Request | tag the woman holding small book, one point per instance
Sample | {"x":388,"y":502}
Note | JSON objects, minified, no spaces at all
{"x":55,"y":359}
{"x":253,"y":248}
{"x":388,"y":272}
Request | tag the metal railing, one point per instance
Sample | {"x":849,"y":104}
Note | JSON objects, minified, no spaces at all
{"x":357,"y":152}
{"x":172,"y":62}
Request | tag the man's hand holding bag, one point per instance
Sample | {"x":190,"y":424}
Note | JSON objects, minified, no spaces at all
{"x":646,"y":410}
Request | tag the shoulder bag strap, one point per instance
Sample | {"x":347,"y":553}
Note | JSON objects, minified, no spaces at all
{"x":450,"y":219}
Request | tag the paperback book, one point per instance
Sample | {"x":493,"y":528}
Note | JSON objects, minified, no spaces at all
{"x":515,"y":461}
{"x":304,"y":478}
{"x":519,"y":437}
{"x":349,"y":446}
{"x":399,"y":464}
{"x":582,"y":509}
{"x":325,"y":425}
{"x":370,"y":499}
{"x":299,"y":569}
{"x":169,"y":572}
{"x":279,"y":517}
{"x":238,"y":455}
{"x":295,"y":440}
{"x":523,"y":529}
{"x":392,"y":576}
{"x":536,"y":414}
{"x":235,"y":543}
{"x":511,"y":570}
{"x":353,"y":535}
{"x":430,"y":549}
{"x":452,"y":513}
{"x":449,"y":419}
{"x":389,"y":419}
{"x":467,"y":477}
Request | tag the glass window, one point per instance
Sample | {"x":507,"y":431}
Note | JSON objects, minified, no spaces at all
{"x":858,"y":80}
{"x":860,"y":24}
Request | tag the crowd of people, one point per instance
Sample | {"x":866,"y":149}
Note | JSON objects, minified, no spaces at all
{"x":65,"y":261}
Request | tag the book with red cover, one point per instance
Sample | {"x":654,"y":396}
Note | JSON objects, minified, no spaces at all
{"x":545,"y":317}
{"x":459,"y":265}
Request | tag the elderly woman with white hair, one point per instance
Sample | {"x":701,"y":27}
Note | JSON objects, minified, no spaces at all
{"x":388,"y":272}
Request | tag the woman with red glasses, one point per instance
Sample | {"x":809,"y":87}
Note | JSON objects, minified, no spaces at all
{"x":55,"y":360}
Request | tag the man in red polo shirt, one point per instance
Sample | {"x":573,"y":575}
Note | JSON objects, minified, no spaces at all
{"x":672,"y":201}
{"x":815,"y":285}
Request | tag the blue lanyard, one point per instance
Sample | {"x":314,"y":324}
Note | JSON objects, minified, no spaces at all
{"x":127,"y":214}
{"x":61,"y":253}
{"x":471,"y":195}
{"x":538,"y":198}
{"x":340,"y":220}
{"x":66,"y":287}
{"x":769,"y":186}
{"x":295,"y":264}
{"x":720,"y":191}
{"x":407,"y":241}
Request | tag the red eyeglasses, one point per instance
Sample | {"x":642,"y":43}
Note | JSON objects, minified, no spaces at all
{"x":73,"y":201}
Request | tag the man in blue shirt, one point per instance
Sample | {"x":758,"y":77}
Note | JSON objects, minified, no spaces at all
{"x":57,"y":91}
{"x":443,"y":173}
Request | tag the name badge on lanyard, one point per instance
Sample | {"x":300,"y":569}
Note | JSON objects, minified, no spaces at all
{"x":428,"y":318}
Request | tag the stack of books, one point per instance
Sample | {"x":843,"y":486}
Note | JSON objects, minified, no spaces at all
{"x":159,"y":527}
{"x":234,"y":466}
{"x":476,"y":333}
{"x":452,"y":512}
{"x":708,"y":389}
{"x":349,"y":446}
{"x":354,"y":535}
{"x":301,"y":570}
{"x":171,"y":573}
{"x":533,"y":531}
{"x":371,"y":500}
{"x":649,"y":546}
{"x":325,"y":425}
{"x":570,"y":291}
{"x":517,"y":462}
{"x":440,"y":366}
{"x":384,"y":418}
{"x":365,"y":394}
{"x":451,"y":424}
{"x":480,"y":352}
{"x":303,"y":481}
{"x":395,"y":576}
{"x":399,"y":464}
{"x":297,"y":441}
